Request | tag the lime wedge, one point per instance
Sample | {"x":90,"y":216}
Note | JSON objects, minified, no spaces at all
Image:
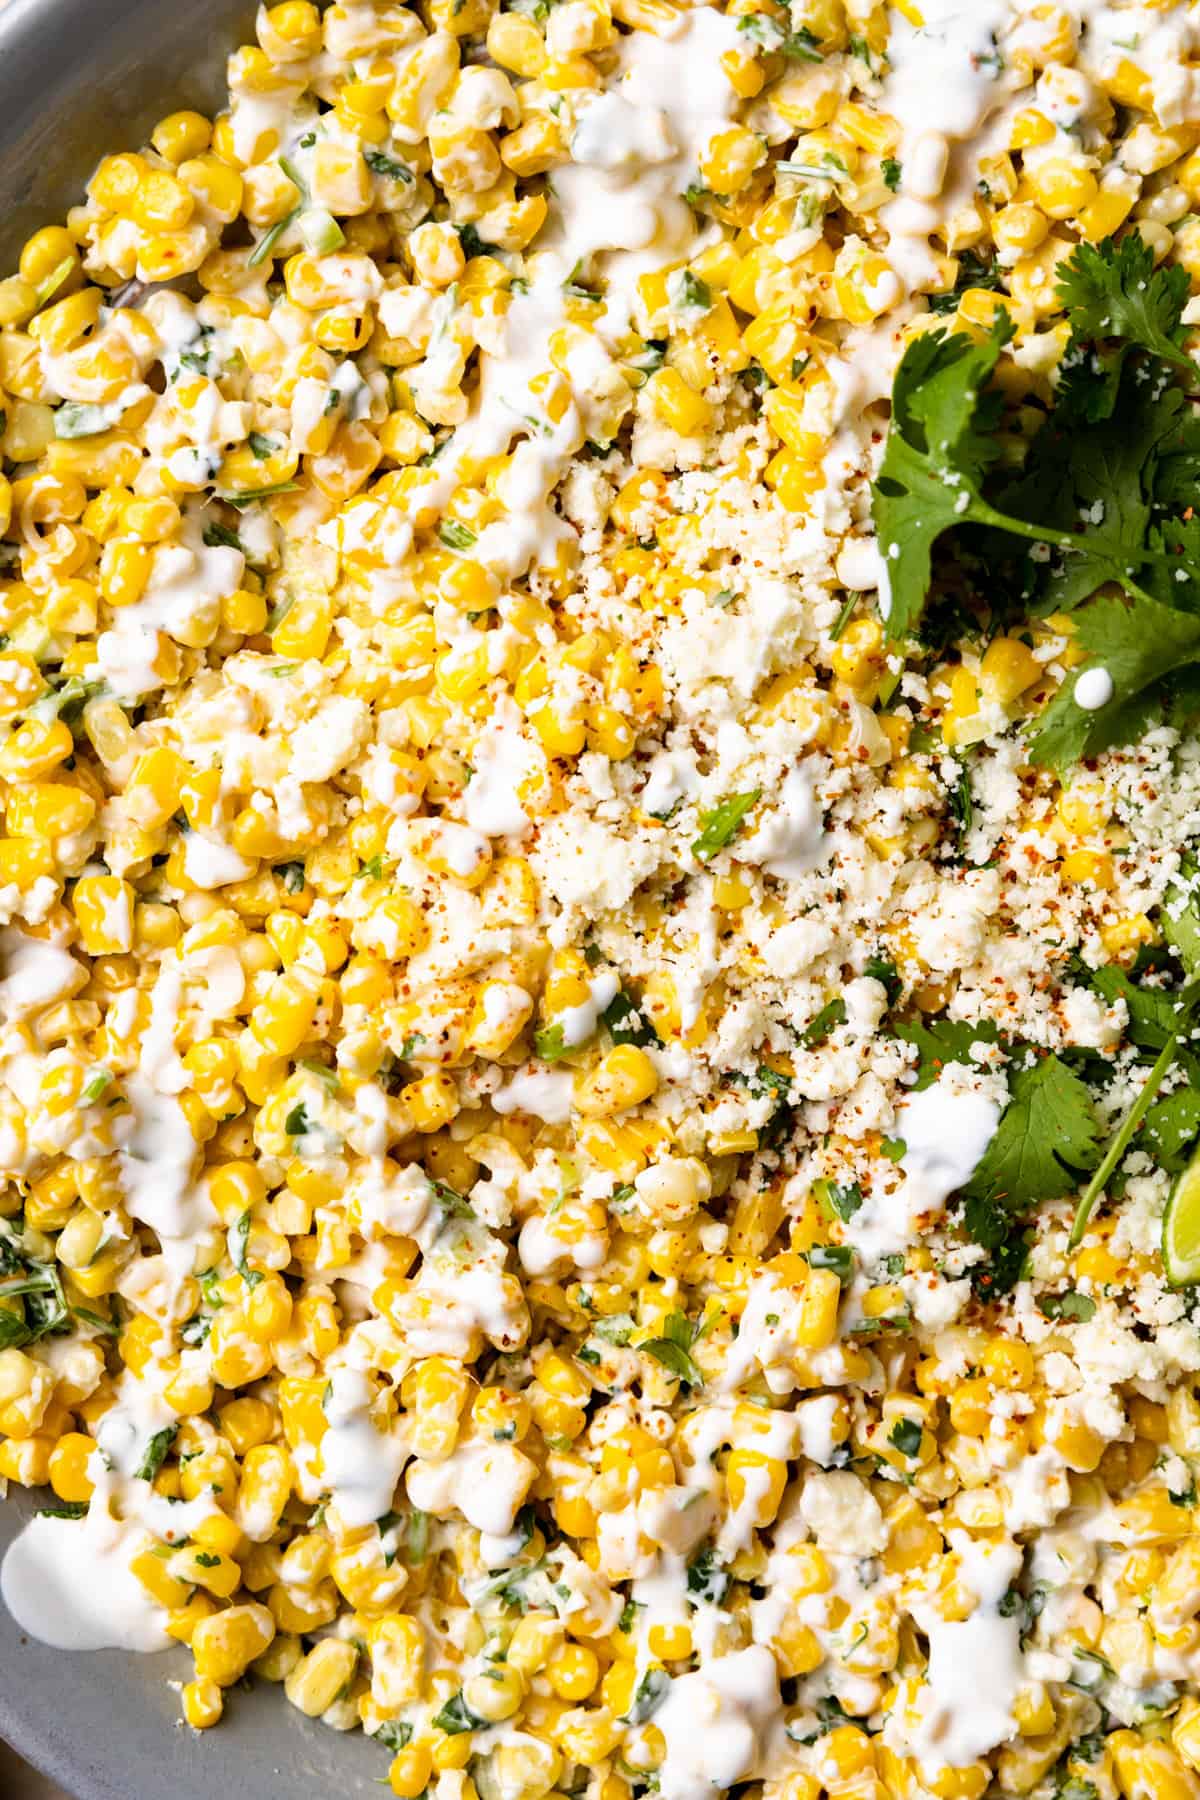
{"x":1181,"y":1228}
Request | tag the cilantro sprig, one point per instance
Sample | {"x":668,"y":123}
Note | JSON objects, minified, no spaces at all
{"x":1048,"y":1136}
{"x":674,"y":1349}
{"x":1119,"y":455}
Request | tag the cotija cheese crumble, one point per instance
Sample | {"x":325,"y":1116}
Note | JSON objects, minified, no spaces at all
{"x":598,"y":1030}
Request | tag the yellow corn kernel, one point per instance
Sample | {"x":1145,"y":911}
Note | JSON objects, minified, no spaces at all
{"x":1007,"y":669}
{"x":1150,"y":1771}
{"x":432,"y":1101}
{"x":1094,"y":867}
{"x":21,"y":683}
{"x":410,"y":1769}
{"x":1030,"y":128}
{"x":730,"y":158}
{"x":225,"y":1645}
{"x":1108,"y":211}
{"x":678,"y":405}
{"x":817,"y":1324}
{"x":624,"y":1078}
{"x":318,"y":1678}
{"x":103,"y":908}
{"x":202,"y":1704}
{"x":49,"y":809}
{"x":35,"y":748}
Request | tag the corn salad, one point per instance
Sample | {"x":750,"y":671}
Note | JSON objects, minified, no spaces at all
{"x":478,"y":1243}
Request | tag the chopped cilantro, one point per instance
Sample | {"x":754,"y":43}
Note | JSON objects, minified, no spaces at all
{"x":155,"y":1453}
{"x":673,"y":1349}
{"x":648,"y":1696}
{"x":297,"y":1122}
{"x":1069,"y":1305}
{"x":238,"y":1237}
{"x":625,"y":1023}
{"x":838,"y":1257}
{"x":550,"y":1044}
{"x":456,"y":1717}
{"x":380,"y":163}
{"x":843,"y":1202}
{"x":905,"y":1436}
{"x":707,"y":1580}
{"x":455,"y":535}
{"x":723,"y":823}
{"x":830,"y":1016}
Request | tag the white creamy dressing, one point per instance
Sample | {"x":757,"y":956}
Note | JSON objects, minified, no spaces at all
{"x":618,"y":204}
{"x":187,"y":578}
{"x":791,"y":840}
{"x":544,"y":1093}
{"x":976,"y":1667}
{"x":67,"y":1582}
{"x":502,"y":759}
{"x":579,"y":1022}
{"x":487,"y":1482}
{"x":361,"y":1464}
{"x":671,"y":776}
{"x":1093,"y":689}
{"x":945,"y":1128}
{"x":158,"y":1154}
{"x":943,"y":86}
{"x":542,"y":1251}
{"x":768,"y":1336}
{"x":717,"y":1722}
{"x":37,"y":972}
{"x":209,"y":862}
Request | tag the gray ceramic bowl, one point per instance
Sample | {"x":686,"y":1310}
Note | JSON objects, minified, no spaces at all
{"x":79,"y":78}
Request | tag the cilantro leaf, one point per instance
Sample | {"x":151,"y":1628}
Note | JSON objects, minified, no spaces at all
{"x":1153,"y":1012}
{"x":1067,"y":1306}
{"x":723,"y":823}
{"x":939,"y":1041}
{"x":380,"y":163}
{"x":1171,"y":1128}
{"x":841,"y":1202}
{"x":648,"y":1696}
{"x":1141,"y":644}
{"x":882,"y":969}
{"x":455,"y":535}
{"x":989,"y":1225}
{"x":1047,"y":1131}
{"x":1179,"y":918}
{"x":905,"y":1436}
{"x":456,"y":1717}
{"x":393,"y":1734}
{"x":838,"y":1257}
{"x":942,"y":439}
{"x":1105,"y":474}
{"x":1115,"y":291}
{"x":237,"y":1238}
{"x":831,"y":1015}
{"x":625,"y":1022}
{"x":155,"y":1453}
{"x":707,"y":1580}
{"x":673,"y":1349}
